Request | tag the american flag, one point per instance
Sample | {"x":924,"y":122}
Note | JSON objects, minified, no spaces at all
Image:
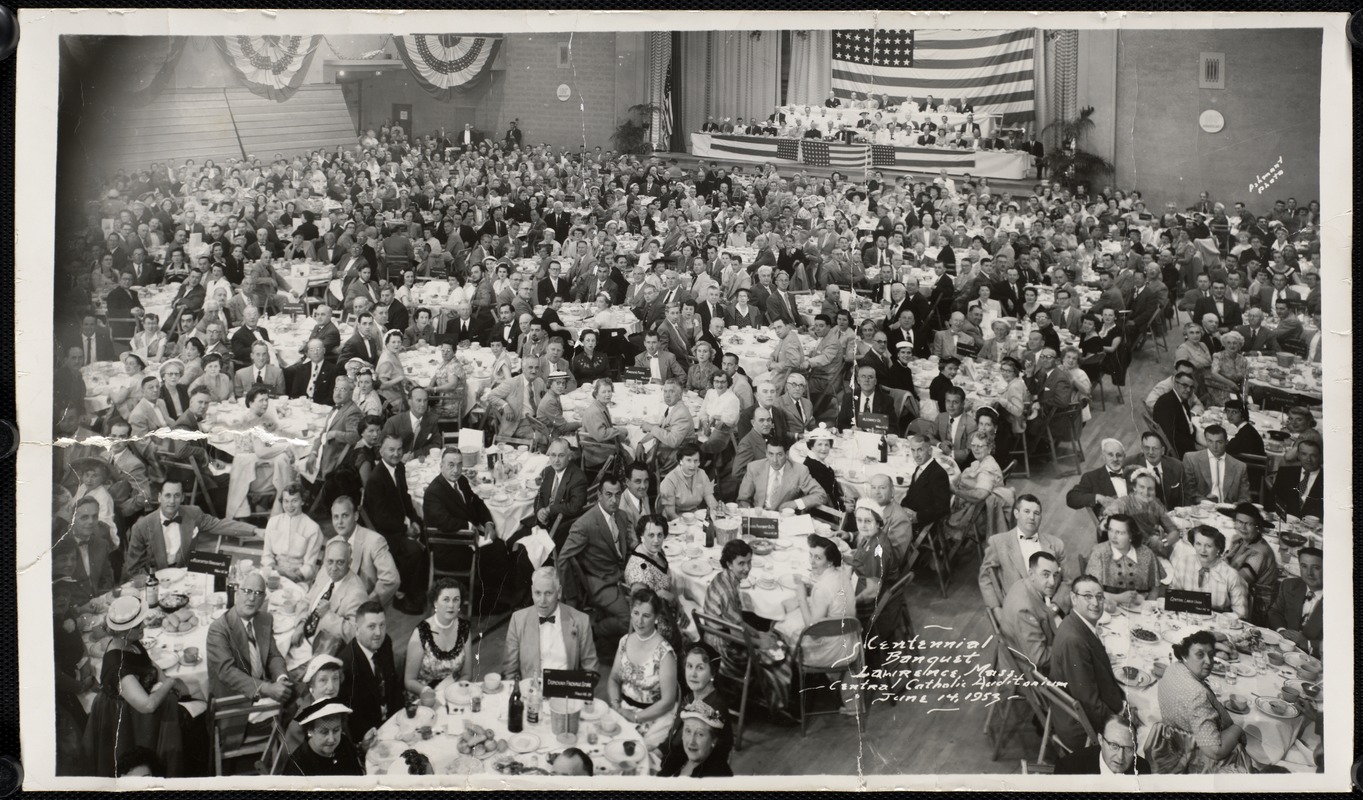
{"x":993,"y":70}
{"x":818,"y":153}
{"x":788,"y":149}
{"x":882,"y":155}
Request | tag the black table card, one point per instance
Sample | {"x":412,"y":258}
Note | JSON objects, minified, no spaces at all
{"x":874,"y":423}
{"x":577,"y":684}
{"x":1189,"y":601}
{"x":763,"y":527}
{"x":636,"y":374}
{"x":215,"y":564}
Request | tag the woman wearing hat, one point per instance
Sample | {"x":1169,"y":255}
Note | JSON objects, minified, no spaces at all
{"x":137,"y":705}
{"x":326,"y":749}
{"x":1254,"y":559}
{"x":998,"y":348}
{"x":820,"y":444}
{"x":322,"y":677}
{"x":213,"y":379}
{"x":700,"y":755}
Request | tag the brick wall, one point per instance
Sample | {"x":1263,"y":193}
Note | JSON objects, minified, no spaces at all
{"x":527,"y":89}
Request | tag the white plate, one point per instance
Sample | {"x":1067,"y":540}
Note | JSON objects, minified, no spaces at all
{"x":697,"y":569}
{"x":615,"y":751}
{"x":1278,"y":709}
{"x":171,"y":574}
{"x":524,"y":743}
{"x":596,"y":710}
{"x":1297,"y":660}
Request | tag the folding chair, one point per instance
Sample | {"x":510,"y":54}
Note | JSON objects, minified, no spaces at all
{"x":188,"y":470}
{"x":1257,"y":468}
{"x":1058,"y":701}
{"x":272,"y":760}
{"x":720,"y":632}
{"x":1069,"y":420}
{"x":827,"y":628}
{"x":234,"y":736}
{"x":930,"y":538}
{"x":896,"y":594}
{"x":454,"y":554}
{"x":121,"y":329}
{"x":1005,"y":662}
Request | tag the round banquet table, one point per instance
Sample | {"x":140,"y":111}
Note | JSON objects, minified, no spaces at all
{"x":509,"y":502}
{"x":1222,"y":518}
{"x":1269,"y":738}
{"x":231,"y":435}
{"x":855,"y":463}
{"x":167,"y":649}
{"x":158,"y":300}
{"x":1302,"y":379}
{"x":303,"y":275}
{"x":421,"y":364}
{"x":103,"y":377}
{"x":631,"y":404}
{"x":754,"y":347}
{"x":538,"y":741}
{"x":578,"y":317}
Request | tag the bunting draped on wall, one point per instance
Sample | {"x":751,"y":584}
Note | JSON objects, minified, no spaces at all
{"x":445,"y":64}
{"x":270,"y":66}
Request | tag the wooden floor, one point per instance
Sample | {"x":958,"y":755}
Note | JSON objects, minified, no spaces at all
{"x":906,"y":739}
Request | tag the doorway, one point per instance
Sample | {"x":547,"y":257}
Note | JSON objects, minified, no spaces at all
{"x":402,"y":116}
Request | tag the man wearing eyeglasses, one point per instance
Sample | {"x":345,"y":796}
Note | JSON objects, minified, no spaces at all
{"x":243,"y":657}
{"x":1079,"y":662}
{"x":1115,"y":753}
{"x":1172,"y":414}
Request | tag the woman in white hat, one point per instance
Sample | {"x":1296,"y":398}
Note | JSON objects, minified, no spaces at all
{"x":698,"y":757}
{"x":820,"y":444}
{"x":322,"y":677}
{"x":326,"y":749}
{"x":137,"y":705}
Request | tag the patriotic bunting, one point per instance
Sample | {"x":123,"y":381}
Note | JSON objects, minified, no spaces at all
{"x":447,"y":64}
{"x":270,"y":66}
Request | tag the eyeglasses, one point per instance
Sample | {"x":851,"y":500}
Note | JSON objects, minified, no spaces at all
{"x":1124,"y":748}
{"x":1096,"y":597}
{"x":252,"y":592}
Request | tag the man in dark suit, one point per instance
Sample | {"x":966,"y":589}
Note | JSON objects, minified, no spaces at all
{"x":389,"y":505}
{"x":562,"y":494}
{"x":1245,"y":439}
{"x":121,"y":300}
{"x":145,"y":273}
{"x":1225,"y":309}
{"x":325,"y":330}
{"x":418,"y":427}
{"x":1171,"y":414}
{"x":312,"y":377}
{"x":868,"y":398}
{"x":1258,"y":339}
{"x":561,"y":222}
{"x":1115,"y":752}
{"x":1298,"y":490}
{"x":94,"y":341}
{"x":1168,"y":470}
{"x":1079,"y":661}
{"x":363,"y":343}
{"x":1103,"y":485}
{"x":554,"y":285}
{"x":450,"y":505}
{"x":1296,"y":612}
{"x":243,"y":658}
{"x":370,"y":684}
{"x":600,"y":542}
{"x":245,"y":337}
{"x":1054,"y":391}
{"x":91,"y":547}
{"x":398,"y":317}
{"x":928,"y":496}
{"x":465,"y":327}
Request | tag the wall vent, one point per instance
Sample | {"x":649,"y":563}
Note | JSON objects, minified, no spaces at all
{"x":1211,"y":72}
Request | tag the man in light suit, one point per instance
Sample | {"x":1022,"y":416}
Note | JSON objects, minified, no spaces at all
{"x":825,"y":366}
{"x":1297,"y":611}
{"x":166,"y":538}
{"x":334,"y":598}
{"x":388,"y":502}
{"x":955,"y":427}
{"x":777,"y":483}
{"x":369,"y":554}
{"x":370,"y":683}
{"x":789,"y":355}
{"x":418,"y":428}
{"x":146,"y":416}
{"x":1212,"y":474}
{"x":1079,"y":661}
{"x":675,"y":428}
{"x":548,"y":634}
{"x":674,"y":336}
{"x":944,"y":343}
{"x":243,"y":658}
{"x":796,"y":407}
{"x":340,"y":430}
{"x":1010,"y":551}
{"x":600,"y":542}
{"x":260,"y":372}
{"x":1030,"y":615}
{"x":1054,"y":391}
{"x":661,"y":364}
{"x":516,"y":401}
{"x":634,"y":502}
{"x":1066,"y":313}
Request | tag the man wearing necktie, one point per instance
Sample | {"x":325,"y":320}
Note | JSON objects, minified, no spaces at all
{"x":598,"y":544}
{"x":259,"y":373}
{"x":370,"y":684}
{"x":1298,"y":490}
{"x":243,"y":658}
{"x":1212,"y":474}
{"x":336,"y":594}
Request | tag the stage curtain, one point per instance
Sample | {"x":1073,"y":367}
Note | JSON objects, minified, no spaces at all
{"x":745,"y":74}
{"x":693,"y":84}
{"x":811,"y":74}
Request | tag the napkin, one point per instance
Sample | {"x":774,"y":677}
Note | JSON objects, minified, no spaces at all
{"x":538,"y":545}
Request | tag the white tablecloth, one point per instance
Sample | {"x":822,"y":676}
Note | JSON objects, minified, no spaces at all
{"x":508,"y":501}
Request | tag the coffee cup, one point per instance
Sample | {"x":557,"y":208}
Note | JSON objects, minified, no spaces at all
{"x":629,"y":748}
{"x":492,"y":682}
{"x":272,"y":582}
{"x":1310,"y":690}
{"x":1157,"y":669}
{"x":1237,"y":704}
{"x":191,"y":655}
{"x":1290,"y":694}
{"x":1275,"y":657}
{"x":1308,"y":672}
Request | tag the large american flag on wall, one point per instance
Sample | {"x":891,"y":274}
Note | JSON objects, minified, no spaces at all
{"x":994,"y":70}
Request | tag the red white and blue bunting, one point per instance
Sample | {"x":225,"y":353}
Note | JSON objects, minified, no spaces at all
{"x":446,"y":64}
{"x":270,"y":66}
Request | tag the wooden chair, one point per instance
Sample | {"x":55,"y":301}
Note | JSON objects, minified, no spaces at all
{"x":1004,"y":662}
{"x":121,"y":329}
{"x":1295,"y":345}
{"x":930,"y":538}
{"x":1058,"y":701}
{"x":835,"y":518}
{"x":896,"y":594}
{"x":233,"y":734}
{"x":1022,"y":449}
{"x":1257,"y":468}
{"x":454,"y":554}
{"x":1069,"y":419}
{"x":843,"y":626}
{"x":1037,"y":769}
{"x":713,"y":629}
{"x":272,"y":760}
{"x":188,"y":471}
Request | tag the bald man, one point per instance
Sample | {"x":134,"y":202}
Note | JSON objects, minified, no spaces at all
{"x":336,"y":594}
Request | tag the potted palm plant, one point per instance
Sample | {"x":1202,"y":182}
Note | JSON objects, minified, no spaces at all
{"x":631,"y":134}
{"x":1066,"y":159}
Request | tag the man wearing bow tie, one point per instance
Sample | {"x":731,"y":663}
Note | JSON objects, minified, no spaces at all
{"x":1098,"y":488}
{"x":547,"y":634}
{"x":166,"y":538}
{"x":1297,"y":611}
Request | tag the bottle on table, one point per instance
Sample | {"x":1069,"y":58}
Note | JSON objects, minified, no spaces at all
{"x":515,"y":708}
{"x":153,"y":592}
{"x":884,"y":450}
{"x":533,"y":700}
